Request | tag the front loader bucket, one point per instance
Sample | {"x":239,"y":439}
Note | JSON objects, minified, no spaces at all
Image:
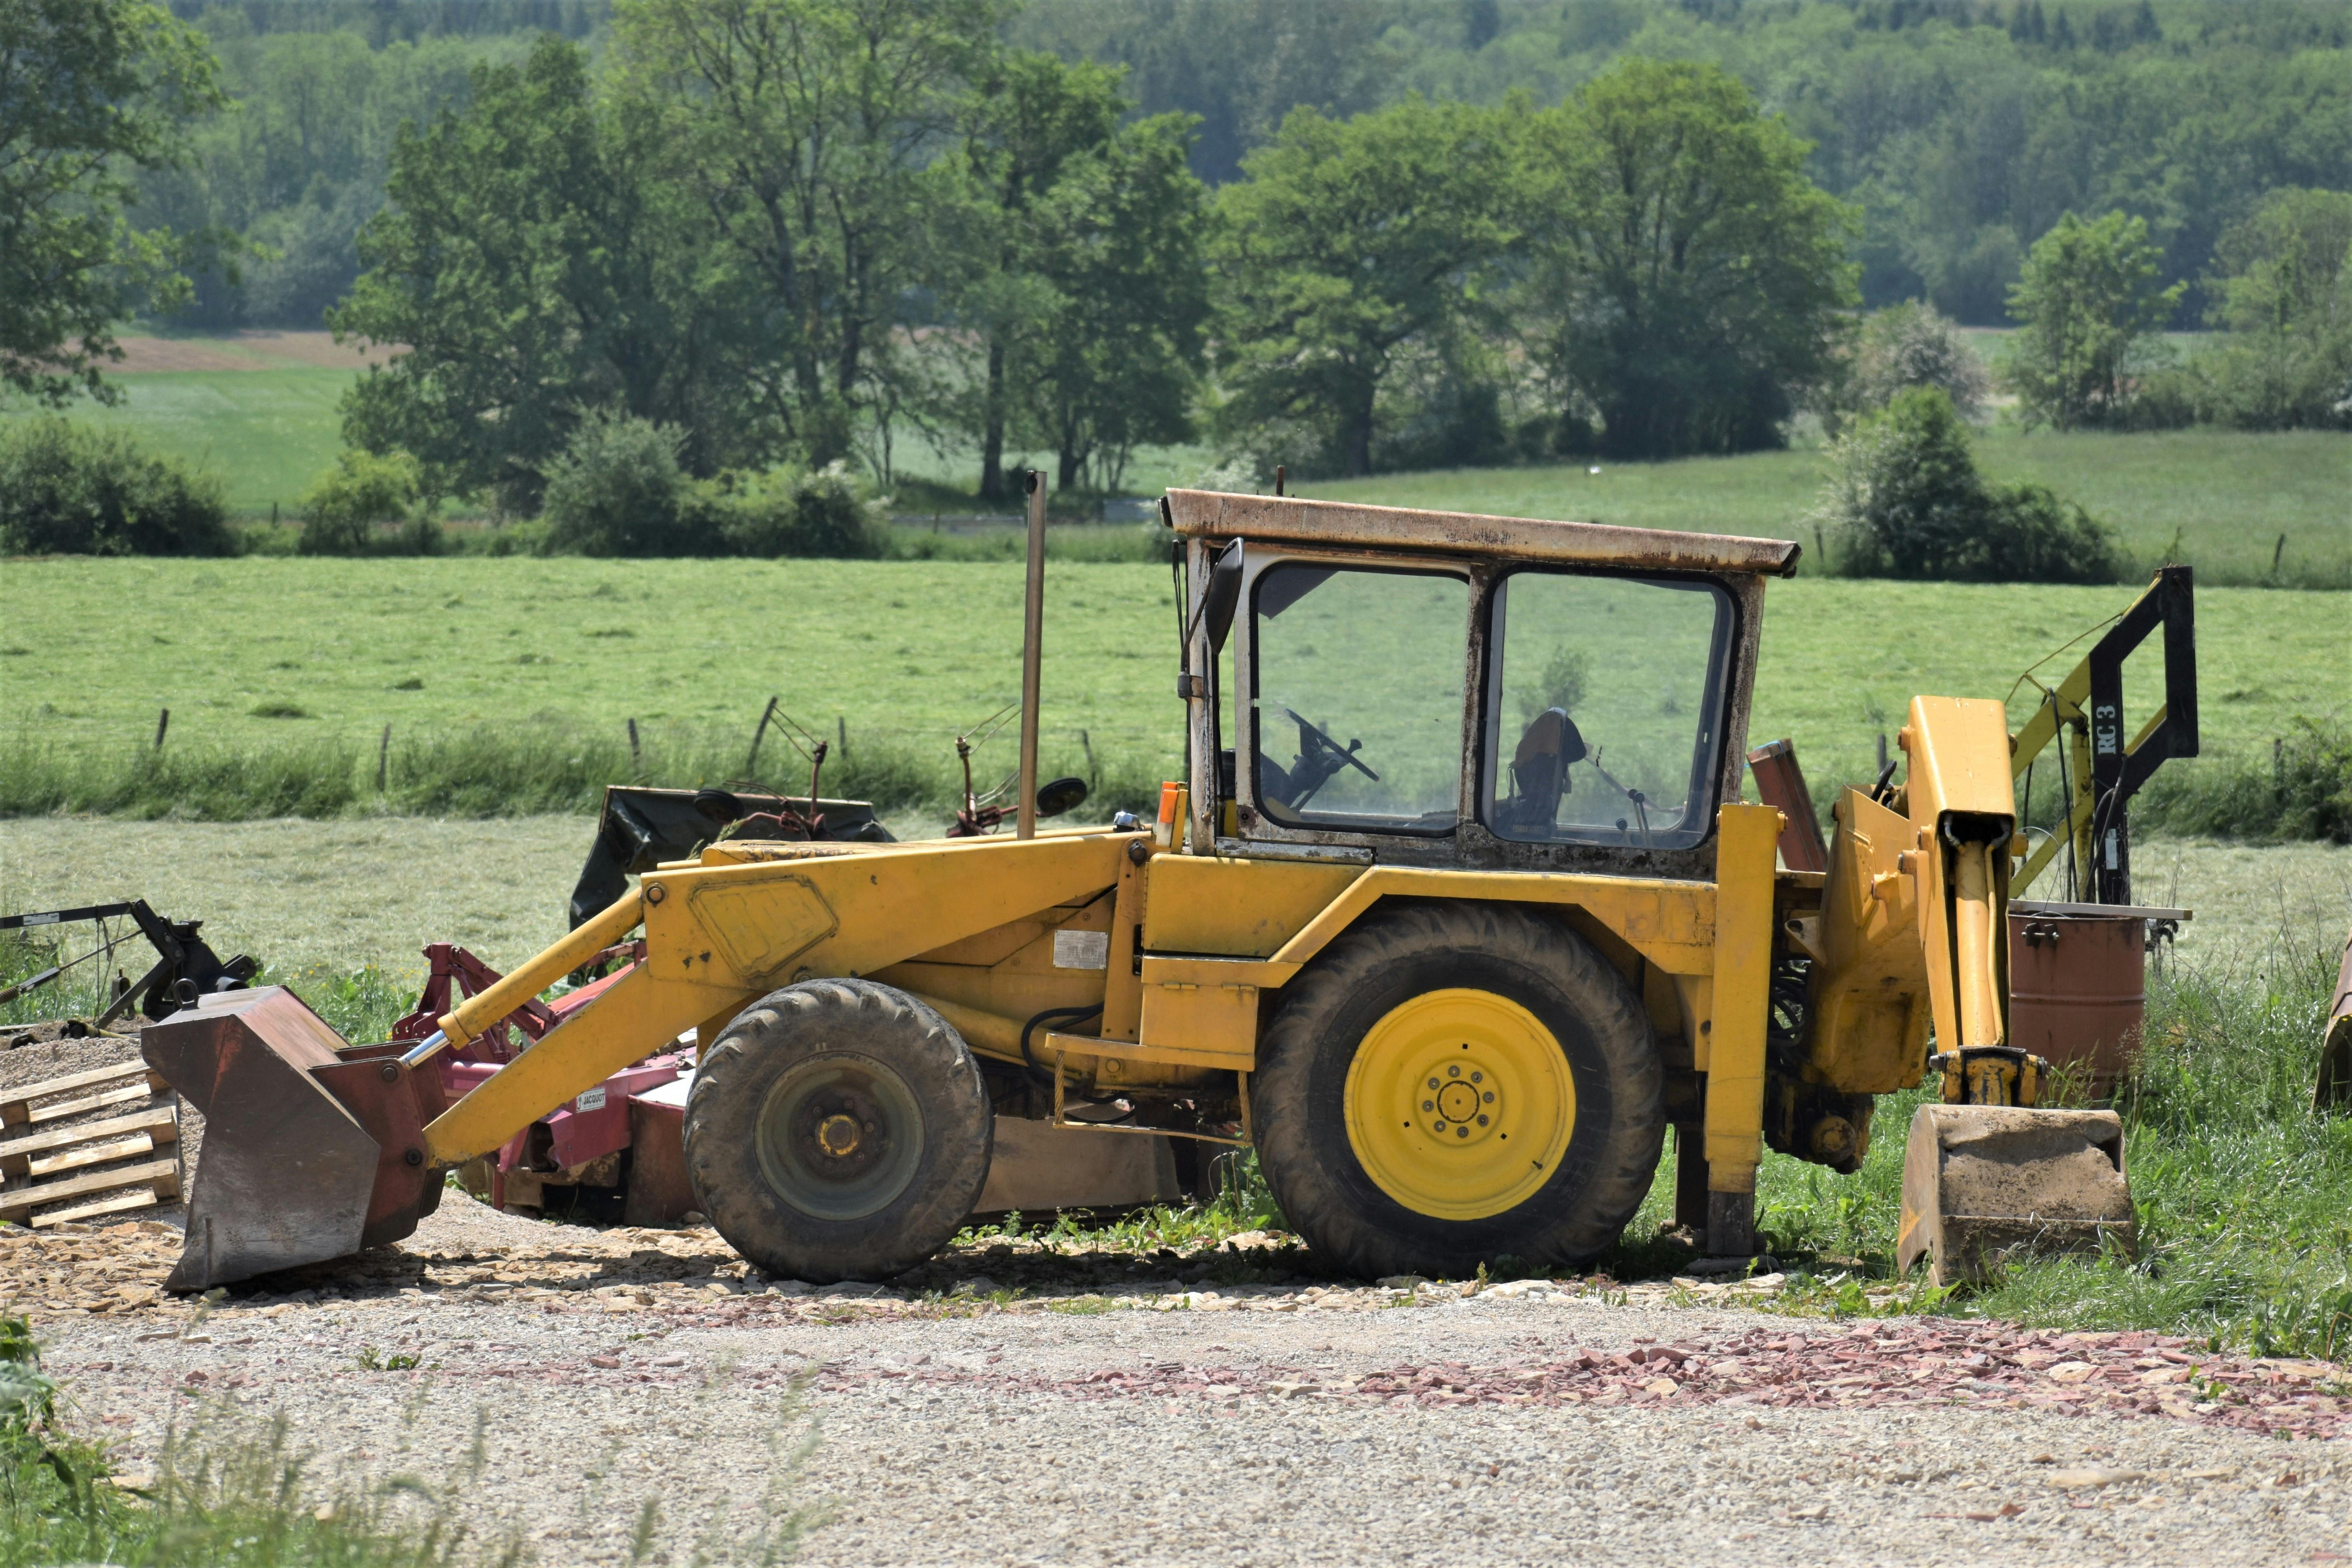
{"x":312,"y":1149}
{"x":1983,"y":1184}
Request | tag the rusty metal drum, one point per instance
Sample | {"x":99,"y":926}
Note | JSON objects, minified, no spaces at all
{"x":2078,"y":982}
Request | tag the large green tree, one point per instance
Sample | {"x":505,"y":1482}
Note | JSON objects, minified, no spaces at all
{"x":1685,"y":281}
{"x":2286,"y":300}
{"x":2089,"y":306}
{"x":91,"y":92}
{"x":535,"y":271}
{"x":1120,"y":245}
{"x":1071,"y":266}
{"x":1350,"y":245}
{"x":803,"y":128}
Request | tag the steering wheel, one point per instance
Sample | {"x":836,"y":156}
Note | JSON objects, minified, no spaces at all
{"x":1308,"y":731}
{"x":1319,"y":759}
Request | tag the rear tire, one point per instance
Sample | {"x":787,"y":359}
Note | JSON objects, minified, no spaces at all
{"x":837,"y":1130}
{"x":1358,"y":1129}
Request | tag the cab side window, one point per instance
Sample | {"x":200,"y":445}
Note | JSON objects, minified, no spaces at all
{"x":1357,"y":696}
{"x":1605,"y":709}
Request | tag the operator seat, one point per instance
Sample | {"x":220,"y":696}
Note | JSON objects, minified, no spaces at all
{"x":1539,"y":772}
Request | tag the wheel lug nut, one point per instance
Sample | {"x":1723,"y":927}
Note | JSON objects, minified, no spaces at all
{"x":1482,"y":1121}
{"x":1433,"y":1083}
{"x":1463,"y":1131}
{"x":1490,"y":1096}
{"x":1477,"y":1078}
{"x":1454,"y":1072}
{"x":1429,"y":1104}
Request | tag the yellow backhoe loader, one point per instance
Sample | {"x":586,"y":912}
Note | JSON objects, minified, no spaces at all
{"x":1457,"y":911}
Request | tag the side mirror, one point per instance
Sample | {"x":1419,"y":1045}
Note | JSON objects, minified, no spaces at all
{"x":1057,"y":796}
{"x":1224,"y":594}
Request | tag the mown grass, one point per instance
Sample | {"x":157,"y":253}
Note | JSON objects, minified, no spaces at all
{"x":268,"y":434}
{"x":2221,"y":501}
{"x":540,"y":662}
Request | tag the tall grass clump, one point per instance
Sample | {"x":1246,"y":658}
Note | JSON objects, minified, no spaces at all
{"x":2303,"y":790}
{"x":2243,"y":1190}
{"x":245,"y":1499}
{"x":200,"y":783}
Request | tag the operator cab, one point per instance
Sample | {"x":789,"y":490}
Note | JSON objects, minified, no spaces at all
{"x":1381,"y":686}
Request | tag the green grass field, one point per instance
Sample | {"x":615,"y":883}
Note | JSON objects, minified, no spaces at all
{"x":2219,"y":500}
{"x":265,"y":433}
{"x":261,"y":652}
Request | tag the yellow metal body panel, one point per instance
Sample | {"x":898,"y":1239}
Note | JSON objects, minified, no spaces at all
{"x":1114,"y":1061}
{"x":1459,"y":1104}
{"x":1242,"y":908}
{"x":1015,"y":969}
{"x":1869,"y":994}
{"x":1747,"y":846}
{"x":1670,"y":923}
{"x":1123,"y":984}
{"x":887,"y":903}
{"x":1202,"y":1006}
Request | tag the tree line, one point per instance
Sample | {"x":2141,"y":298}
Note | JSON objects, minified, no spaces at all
{"x":1959,"y":129}
{"x":800,"y":232}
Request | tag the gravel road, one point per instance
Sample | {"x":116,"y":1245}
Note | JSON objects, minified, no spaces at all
{"x":1020,"y":1405}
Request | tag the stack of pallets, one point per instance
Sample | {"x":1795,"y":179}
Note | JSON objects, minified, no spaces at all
{"x":84,"y":1145}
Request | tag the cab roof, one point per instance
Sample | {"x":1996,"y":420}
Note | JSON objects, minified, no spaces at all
{"x":1288,"y":519}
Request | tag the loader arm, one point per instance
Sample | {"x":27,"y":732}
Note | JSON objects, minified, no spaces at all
{"x":720,"y":935}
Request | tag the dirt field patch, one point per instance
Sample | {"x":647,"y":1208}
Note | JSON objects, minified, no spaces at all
{"x":256,"y":349}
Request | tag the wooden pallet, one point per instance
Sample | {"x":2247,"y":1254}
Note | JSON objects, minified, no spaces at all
{"x":91,"y":1168}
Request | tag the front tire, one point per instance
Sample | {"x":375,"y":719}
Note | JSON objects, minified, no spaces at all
{"x":837,"y":1130}
{"x":1448,"y":1084}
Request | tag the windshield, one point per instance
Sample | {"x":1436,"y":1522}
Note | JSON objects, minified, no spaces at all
{"x":1356,"y":699}
{"x":1604,"y":709}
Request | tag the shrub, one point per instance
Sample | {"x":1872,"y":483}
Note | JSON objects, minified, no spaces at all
{"x":69,"y":490}
{"x":1907,"y":501}
{"x":1913,"y":345}
{"x":616,"y":489}
{"x":795,"y":512}
{"x":345,"y":503}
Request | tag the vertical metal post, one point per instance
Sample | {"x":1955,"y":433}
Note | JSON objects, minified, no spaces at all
{"x":1033,"y":631}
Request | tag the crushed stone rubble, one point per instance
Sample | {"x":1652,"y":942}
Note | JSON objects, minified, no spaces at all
{"x":689,"y":1277}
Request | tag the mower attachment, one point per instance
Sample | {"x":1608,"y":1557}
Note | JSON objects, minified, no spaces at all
{"x":1984,"y":1185}
{"x":312,"y":1149}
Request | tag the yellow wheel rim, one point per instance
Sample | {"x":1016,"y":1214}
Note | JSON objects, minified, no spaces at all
{"x":1460,"y":1104}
